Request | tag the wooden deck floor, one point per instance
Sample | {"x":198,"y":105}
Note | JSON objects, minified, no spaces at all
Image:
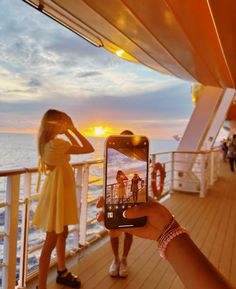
{"x":211,"y":222}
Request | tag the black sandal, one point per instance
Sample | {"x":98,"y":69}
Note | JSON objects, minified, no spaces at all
{"x":67,"y":278}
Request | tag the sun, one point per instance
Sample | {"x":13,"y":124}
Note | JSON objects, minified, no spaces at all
{"x":99,"y":131}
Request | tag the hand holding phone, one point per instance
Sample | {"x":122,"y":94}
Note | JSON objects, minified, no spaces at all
{"x":126,"y":178}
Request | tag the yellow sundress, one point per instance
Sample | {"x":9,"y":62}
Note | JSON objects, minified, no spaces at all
{"x":57,"y":205}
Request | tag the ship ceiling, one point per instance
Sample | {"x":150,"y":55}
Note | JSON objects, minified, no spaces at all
{"x":190,"y":39}
{"x":231,"y":114}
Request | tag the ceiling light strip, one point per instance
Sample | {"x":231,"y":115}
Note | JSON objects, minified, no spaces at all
{"x":44,"y":11}
{"x":133,"y":42}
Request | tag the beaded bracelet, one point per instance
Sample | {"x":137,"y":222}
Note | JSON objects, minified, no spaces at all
{"x":171,"y":225}
{"x":171,"y":231}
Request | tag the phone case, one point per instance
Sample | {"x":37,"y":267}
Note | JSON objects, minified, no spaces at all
{"x":125,"y":178}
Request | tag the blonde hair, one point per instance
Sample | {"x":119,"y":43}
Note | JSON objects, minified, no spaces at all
{"x":49,"y":128}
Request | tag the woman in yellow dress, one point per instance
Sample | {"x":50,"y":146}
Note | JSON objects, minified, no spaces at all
{"x":121,"y":178}
{"x":57,"y":204}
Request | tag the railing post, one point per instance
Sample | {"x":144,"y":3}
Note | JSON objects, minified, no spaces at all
{"x":172,"y":171}
{"x":212,"y":167}
{"x":218,"y":161}
{"x":202,"y":176}
{"x":153,"y":159}
{"x":112,"y":194}
{"x":11,"y":229}
{"x":84,"y":205}
{"x":78,"y":181}
{"x":24,"y":232}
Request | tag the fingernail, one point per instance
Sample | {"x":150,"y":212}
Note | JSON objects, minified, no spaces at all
{"x":124,"y":214}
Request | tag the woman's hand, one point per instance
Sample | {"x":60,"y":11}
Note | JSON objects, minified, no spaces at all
{"x":68,"y":121}
{"x":100,"y":204}
{"x":157,"y":219}
{"x":70,"y":124}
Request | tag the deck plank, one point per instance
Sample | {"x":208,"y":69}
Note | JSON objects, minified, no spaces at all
{"x":211,"y":222}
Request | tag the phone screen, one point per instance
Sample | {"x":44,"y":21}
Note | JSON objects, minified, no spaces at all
{"x":126,"y":178}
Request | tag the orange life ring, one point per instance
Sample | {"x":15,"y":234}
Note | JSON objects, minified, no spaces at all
{"x":157,"y":190}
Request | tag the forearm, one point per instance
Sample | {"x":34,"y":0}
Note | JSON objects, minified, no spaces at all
{"x":83,"y":141}
{"x":72,"y":139}
{"x":192,"y":266}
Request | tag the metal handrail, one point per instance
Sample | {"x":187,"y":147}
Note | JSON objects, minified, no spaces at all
{"x":6,"y":173}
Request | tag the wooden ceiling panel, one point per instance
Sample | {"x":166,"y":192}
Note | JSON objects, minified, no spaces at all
{"x":129,"y":25}
{"x":158,"y":17}
{"x":224,"y":14}
{"x":191,"y":39}
{"x":78,"y":13}
{"x":231,"y":115}
{"x":196,"y":20}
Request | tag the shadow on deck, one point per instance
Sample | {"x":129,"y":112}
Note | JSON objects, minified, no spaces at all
{"x":211,"y":222}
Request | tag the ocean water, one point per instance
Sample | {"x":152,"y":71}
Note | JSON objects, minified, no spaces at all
{"x":20,"y":151}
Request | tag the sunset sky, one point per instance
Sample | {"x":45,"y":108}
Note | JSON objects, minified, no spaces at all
{"x":43,"y":65}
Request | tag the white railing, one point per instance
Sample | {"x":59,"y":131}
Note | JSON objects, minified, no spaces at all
{"x":191,"y":172}
{"x":18,"y":202}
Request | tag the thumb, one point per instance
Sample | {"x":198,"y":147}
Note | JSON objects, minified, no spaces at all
{"x":135,"y":212}
{"x":142,"y":210}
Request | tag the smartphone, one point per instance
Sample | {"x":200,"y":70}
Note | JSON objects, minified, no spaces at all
{"x":125,"y":178}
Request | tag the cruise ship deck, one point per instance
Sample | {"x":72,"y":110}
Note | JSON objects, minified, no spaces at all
{"x":211,"y":222}
{"x":164,"y":36}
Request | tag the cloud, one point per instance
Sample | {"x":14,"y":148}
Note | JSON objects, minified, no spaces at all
{"x":155,"y":113}
{"x":34,"y":82}
{"x":43,"y":65}
{"x":30,"y":40}
{"x":158,"y":104}
{"x":89,"y":74}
